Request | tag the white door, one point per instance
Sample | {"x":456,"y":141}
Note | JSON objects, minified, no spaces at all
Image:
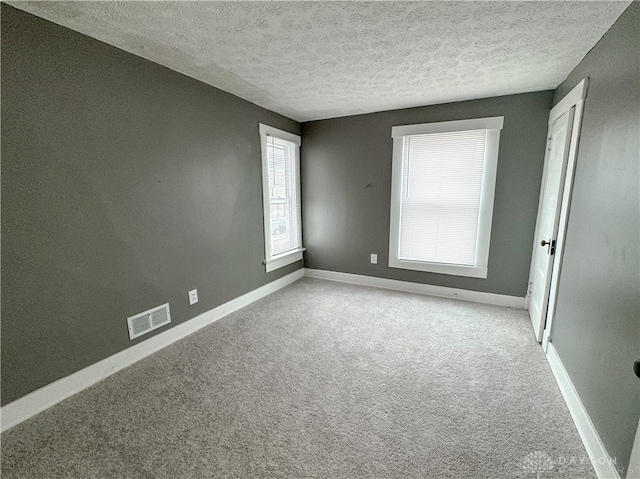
{"x":555,"y":167}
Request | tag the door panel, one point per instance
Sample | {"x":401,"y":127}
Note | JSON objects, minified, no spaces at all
{"x":548,"y":215}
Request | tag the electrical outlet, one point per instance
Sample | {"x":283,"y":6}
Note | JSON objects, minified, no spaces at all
{"x":193,"y":296}
{"x":374,"y":258}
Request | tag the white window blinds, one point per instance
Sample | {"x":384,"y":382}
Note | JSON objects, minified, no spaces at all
{"x":442,"y":190}
{"x":442,"y":176}
{"x":283,"y":196}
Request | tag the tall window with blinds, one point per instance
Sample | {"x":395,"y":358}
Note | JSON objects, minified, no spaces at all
{"x":281,"y":197}
{"x":442,"y":196}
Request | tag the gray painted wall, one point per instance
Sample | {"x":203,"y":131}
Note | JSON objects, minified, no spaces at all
{"x":124,"y":185}
{"x":596,"y":328}
{"x":345,"y":220}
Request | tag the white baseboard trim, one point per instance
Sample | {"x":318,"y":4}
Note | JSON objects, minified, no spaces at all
{"x":546,"y":340}
{"x":45,"y":397}
{"x":441,"y":291}
{"x":603,"y":464}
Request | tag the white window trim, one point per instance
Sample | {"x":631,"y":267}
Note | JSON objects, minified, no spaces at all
{"x":283,"y":259}
{"x":493,"y":125}
{"x":278,"y":261}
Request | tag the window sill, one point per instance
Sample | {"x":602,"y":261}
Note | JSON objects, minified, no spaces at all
{"x":450,"y":269}
{"x":283,"y":260}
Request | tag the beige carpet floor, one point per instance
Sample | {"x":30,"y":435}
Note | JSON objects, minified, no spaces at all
{"x":320,"y":380}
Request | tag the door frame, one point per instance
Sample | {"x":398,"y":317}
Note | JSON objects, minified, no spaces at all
{"x":575,"y":98}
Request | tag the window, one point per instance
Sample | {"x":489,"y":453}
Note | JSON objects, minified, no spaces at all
{"x":281,"y":197}
{"x":442,"y":191}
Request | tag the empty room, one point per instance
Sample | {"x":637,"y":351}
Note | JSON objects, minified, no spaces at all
{"x":320,"y":239}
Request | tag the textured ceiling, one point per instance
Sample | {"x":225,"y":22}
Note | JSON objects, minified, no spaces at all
{"x":310,"y":60}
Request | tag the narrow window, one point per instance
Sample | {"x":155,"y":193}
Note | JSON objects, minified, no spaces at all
{"x":443,"y":184}
{"x":281,"y":197}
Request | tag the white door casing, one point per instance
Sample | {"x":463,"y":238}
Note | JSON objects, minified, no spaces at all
{"x":541,"y":296}
{"x":548,"y":218}
{"x":633,"y":472}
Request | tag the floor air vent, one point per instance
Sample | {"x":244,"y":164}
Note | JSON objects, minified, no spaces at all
{"x":148,"y":321}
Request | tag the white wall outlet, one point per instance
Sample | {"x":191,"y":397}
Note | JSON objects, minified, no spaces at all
{"x":374,"y":258}
{"x":193,"y":296}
